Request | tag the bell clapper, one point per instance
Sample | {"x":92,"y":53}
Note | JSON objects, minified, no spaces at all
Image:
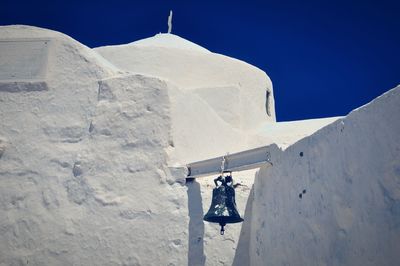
{"x":222,"y":228}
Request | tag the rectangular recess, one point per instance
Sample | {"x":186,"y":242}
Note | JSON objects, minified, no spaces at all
{"x":23,"y":59}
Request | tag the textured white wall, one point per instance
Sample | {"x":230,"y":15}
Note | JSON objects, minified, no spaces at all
{"x":349,"y":213}
{"x":84,"y":177}
{"x":83,"y":167}
{"x":234,"y":83}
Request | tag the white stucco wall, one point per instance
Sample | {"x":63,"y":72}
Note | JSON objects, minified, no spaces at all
{"x":85,"y":151}
{"x":84,"y":178}
{"x":235,"y":85}
{"x":349,"y":213}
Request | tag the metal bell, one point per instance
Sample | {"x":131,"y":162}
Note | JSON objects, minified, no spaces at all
{"x":223,"y":206}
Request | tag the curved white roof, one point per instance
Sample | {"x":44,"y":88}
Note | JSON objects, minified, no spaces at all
{"x":168,"y":40}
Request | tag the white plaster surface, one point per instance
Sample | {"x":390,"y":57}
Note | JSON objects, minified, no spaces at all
{"x":350,"y":211}
{"x":86,"y":153}
{"x":163,"y":40}
{"x":83,"y":170}
{"x":33,"y":59}
{"x":197,"y":72}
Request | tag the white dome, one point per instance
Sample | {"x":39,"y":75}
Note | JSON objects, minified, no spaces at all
{"x":168,"y":40}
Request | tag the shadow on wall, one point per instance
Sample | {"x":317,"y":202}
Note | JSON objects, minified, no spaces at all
{"x":242,"y":255}
{"x":196,"y":225}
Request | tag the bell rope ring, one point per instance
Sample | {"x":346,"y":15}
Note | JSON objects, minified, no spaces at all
{"x":223,"y":206}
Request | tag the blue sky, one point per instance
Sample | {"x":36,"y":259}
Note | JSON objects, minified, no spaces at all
{"x":325,"y":58}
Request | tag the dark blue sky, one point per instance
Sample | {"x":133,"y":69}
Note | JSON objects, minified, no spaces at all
{"x":325,"y":58}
